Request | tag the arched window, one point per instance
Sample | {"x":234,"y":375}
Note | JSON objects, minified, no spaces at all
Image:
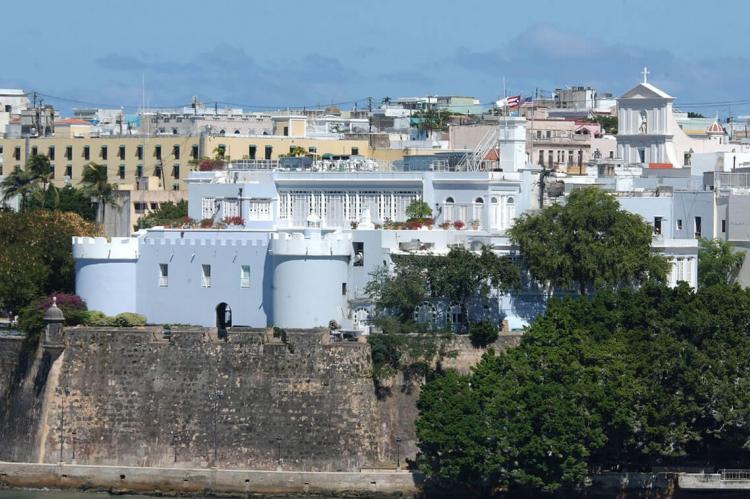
{"x":448,"y":213}
{"x":425,"y":313}
{"x":493,"y":200}
{"x":236,"y":132}
{"x":222,"y":132}
{"x":511,"y":200}
{"x":361,"y":317}
{"x":455,"y":315}
{"x":476,"y":216}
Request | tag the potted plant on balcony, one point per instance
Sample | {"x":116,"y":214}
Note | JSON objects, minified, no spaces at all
{"x":236,"y":221}
{"x":475,"y":224}
{"x":445,"y":225}
{"x":458,"y":225}
{"x":206,"y":223}
{"x":428,"y":222}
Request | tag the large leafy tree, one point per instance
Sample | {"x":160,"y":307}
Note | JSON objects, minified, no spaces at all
{"x":36,"y":254}
{"x":32,"y":183}
{"x":458,"y":277}
{"x":587,"y":244}
{"x":95,"y":183}
{"x":627,"y":379}
{"x":718,"y":263}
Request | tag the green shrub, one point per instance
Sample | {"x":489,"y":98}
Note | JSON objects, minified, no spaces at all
{"x":128,"y":319}
{"x":482,"y":333}
{"x":31,"y":317}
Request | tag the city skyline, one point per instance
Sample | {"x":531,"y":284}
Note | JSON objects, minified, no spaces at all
{"x":259,"y":56}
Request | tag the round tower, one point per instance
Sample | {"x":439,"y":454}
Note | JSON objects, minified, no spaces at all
{"x":106,"y":273}
{"x":310,"y":274}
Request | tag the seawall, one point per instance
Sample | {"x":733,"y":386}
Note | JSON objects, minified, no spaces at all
{"x":133,"y":397}
{"x":238,"y":483}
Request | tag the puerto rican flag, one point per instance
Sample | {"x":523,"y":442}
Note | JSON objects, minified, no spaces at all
{"x":511,"y":102}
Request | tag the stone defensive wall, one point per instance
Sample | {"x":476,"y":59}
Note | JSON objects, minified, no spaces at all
{"x":185,"y":398}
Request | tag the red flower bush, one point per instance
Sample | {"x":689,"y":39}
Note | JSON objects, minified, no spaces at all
{"x":207,"y":223}
{"x":234,"y":221}
{"x":458,"y":225}
{"x":207,"y":165}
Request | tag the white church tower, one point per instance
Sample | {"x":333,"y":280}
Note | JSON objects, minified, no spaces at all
{"x":645,"y":125}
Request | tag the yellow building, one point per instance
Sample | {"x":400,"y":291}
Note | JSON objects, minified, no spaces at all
{"x":158,"y":162}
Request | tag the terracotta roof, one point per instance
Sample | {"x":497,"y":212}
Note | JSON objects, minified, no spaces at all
{"x":72,"y":121}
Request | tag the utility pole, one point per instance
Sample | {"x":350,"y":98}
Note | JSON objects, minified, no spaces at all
{"x":369,"y":115}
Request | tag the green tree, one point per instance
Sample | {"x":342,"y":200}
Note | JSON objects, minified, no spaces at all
{"x":36,"y":254}
{"x":20,"y":182}
{"x":587,"y":244}
{"x":608,"y":124}
{"x":692,"y":114}
{"x":418,"y":209}
{"x":463,"y":276}
{"x":95,"y":183}
{"x":718,"y":263}
{"x":627,"y":378}
{"x":168,"y":213}
{"x":294,"y":152}
{"x":458,"y":277}
{"x":67,"y":198}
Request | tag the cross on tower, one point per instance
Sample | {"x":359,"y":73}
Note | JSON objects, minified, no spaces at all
{"x":645,"y":74}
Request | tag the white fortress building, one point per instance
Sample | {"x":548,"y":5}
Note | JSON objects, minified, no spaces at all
{"x":306,"y":243}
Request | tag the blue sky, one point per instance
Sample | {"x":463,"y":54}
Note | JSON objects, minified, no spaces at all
{"x":303,"y":52}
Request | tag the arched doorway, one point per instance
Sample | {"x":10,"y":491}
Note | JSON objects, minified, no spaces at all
{"x":223,"y":316}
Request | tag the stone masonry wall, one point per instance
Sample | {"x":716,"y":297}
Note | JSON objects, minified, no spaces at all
{"x":253,"y":401}
{"x":10,"y":350}
{"x":130,"y":397}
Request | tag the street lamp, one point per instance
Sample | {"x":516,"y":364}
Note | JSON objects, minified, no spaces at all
{"x":398,"y":453}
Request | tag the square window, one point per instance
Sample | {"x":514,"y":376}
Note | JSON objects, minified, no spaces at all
{"x":205,"y":276}
{"x":163,"y":275}
{"x":245,"y":276}
{"x":355,"y":151}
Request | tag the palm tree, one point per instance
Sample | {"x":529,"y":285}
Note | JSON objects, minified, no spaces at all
{"x":42,"y":171}
{"x":95,"y":184}
{"x":21,"y":182}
